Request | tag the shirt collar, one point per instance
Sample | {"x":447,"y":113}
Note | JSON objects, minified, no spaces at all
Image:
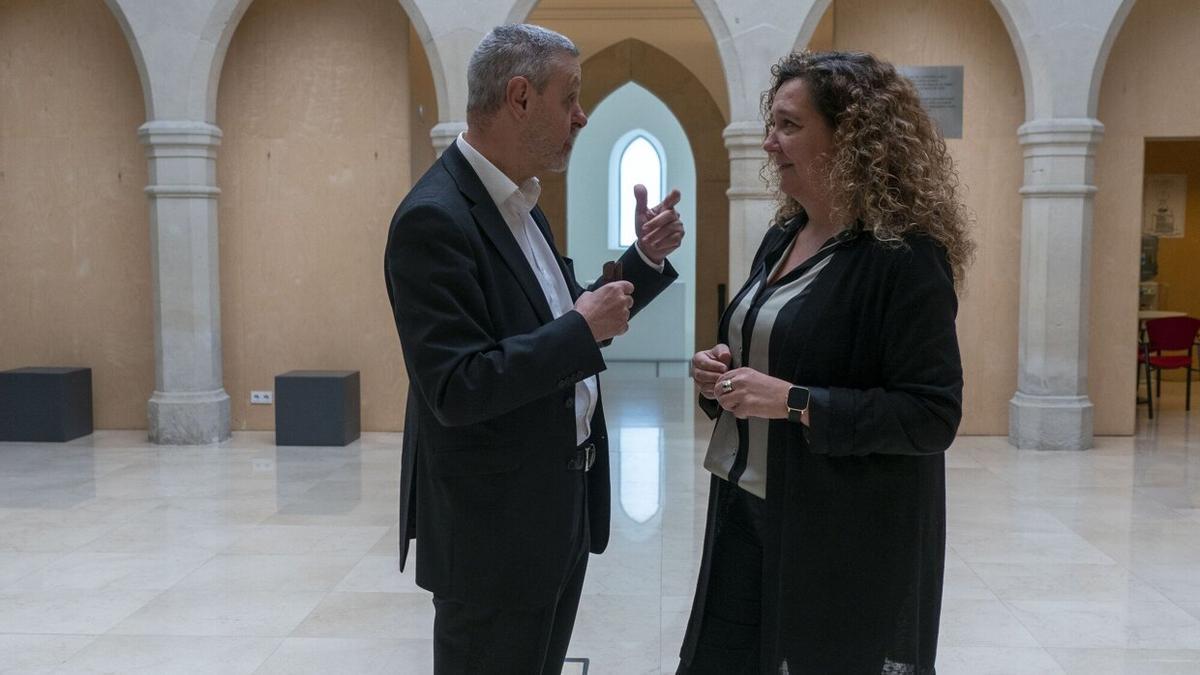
{"x":500,"y":187}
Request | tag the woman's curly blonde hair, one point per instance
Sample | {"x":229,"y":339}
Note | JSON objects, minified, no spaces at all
{"x":891,"y":173}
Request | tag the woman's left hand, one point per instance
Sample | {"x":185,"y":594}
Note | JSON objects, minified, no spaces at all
{"x":750,"y":393}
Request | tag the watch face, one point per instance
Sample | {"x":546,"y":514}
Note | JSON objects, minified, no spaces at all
{"x":798,"y":398}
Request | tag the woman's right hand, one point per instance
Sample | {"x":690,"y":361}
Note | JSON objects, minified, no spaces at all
{"x":708,"y":366}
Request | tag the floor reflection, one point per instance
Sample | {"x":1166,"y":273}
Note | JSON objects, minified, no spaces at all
{"x":318,"y":481}
{"x":639,"y":471}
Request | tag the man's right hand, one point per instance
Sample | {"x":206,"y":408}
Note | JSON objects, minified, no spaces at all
{"x":707,"y":368}
{"x":606,"y":309}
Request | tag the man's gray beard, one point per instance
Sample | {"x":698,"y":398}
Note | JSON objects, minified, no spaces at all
{"x":553,"y":162}
{"x":563,"y":161}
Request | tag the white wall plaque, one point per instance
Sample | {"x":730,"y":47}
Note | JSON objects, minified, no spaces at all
{"x":1164,"y":200}
{"x":941,"y":91}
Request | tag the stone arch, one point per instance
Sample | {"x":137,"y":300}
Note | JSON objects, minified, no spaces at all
{"x":1146,"y":100}
{"x":717,"y":26}
{"x":635,"y":61}
{"x":1106,"y":45}
{"x":723,"y":36}
{"x":520,"y":11}
{"x":223,"y":21}
{"x":319,"y":132}
{"x":1033,"y":45}
{"x":809,"y":26}
{"x":135,"y":48}
{"x":75,"y":282}
{"x":1009,"y":12}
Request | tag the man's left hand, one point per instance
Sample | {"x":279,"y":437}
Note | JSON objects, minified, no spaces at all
{"x":659,"y":230}
{"x":753,"y":394}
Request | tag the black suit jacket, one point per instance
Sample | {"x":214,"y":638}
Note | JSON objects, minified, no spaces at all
{"x":854,"y":543}
{"x":491,"y":409}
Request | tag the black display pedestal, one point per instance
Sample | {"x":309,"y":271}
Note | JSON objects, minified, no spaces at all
{"x":45,"y":404}
{"x":317,"y":407}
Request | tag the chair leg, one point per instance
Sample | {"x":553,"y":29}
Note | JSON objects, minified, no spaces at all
{"x":1187,"y":405}
{"x":1149,"y":391}
{"x":1158,"y":385}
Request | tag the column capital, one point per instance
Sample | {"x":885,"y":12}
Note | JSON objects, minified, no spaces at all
{"x":744,"y":135}
{"x":444,"y":133}
{"x":744,"y":140}
{"x":1060,"y":131}
{"x":179,"y":132}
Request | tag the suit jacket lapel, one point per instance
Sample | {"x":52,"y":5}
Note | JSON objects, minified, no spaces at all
{"x":487,"y":215}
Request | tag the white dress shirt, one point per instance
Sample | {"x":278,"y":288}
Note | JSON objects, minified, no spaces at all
{"x":515,"y":203}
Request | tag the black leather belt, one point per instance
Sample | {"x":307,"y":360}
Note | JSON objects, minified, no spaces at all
{"x":583,"y":458}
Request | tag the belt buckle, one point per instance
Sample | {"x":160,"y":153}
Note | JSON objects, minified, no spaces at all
{"x":591,"y":457}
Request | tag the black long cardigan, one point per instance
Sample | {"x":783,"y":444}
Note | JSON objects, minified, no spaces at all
{"x":854,"y":548}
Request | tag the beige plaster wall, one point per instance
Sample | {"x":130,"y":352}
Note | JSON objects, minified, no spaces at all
{"x":1151,"y":89}
{"x":989,"y":160}
{"x":674,"y":26}
{"x":314,"y":102}
{"x":74,"y":240}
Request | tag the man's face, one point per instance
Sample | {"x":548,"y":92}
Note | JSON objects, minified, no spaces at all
{"x":555,"y":118}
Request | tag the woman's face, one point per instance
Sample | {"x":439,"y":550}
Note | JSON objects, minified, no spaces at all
{"x":800,"y":144}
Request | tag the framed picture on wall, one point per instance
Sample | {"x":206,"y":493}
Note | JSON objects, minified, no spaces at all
{"x":1163,"y":202}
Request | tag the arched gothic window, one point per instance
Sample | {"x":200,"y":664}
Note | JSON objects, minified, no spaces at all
{"x":637,"y":157}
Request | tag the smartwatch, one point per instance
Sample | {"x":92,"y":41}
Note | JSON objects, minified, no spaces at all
{"x":797,"y":403}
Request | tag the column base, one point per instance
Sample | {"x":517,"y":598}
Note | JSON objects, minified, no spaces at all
{"x":192,"y":418}
{"x":1050,"y":422}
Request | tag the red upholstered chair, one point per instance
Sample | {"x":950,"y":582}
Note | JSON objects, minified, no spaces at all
{"x":1174,"y":334}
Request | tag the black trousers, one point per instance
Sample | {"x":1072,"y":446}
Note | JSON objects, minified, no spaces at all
{"x":730,"y":633}
{"x":469,"y":638}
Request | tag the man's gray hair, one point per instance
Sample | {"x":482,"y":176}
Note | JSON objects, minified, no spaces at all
{"x":510,"y":51}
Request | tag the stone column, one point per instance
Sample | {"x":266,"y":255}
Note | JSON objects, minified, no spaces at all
{"x":751,"y":204}
{"x":189,"y":405}
{"x":1051,"y":409}
{"x":444,"y":133}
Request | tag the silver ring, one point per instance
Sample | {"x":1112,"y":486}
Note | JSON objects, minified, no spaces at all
{"x":726,"y":386}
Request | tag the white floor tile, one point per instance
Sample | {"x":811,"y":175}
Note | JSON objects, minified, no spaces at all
{"x":38,"y":653}
{"x":1128,"y":661}
{"x":965,"y":660}
{"x":319,"y":656}
{"x":221,"y":612}
{"x":376,"y":616}
{"x":71,"y":612}
{"x":279,"y":573}
{"x":154,"y":655}
{"x":1124,"y":625}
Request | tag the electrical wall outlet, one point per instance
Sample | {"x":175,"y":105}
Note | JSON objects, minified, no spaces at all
{"x":262,"y":397}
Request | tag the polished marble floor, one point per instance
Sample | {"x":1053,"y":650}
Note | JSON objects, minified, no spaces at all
{"x":121,"y":557}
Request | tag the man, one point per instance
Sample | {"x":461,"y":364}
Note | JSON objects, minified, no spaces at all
{"x":505,"y":463}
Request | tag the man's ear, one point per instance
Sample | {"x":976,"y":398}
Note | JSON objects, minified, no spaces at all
{"x":517,"y":95}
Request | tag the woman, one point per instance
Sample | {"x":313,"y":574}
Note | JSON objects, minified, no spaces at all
{"x":837,"y":387}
